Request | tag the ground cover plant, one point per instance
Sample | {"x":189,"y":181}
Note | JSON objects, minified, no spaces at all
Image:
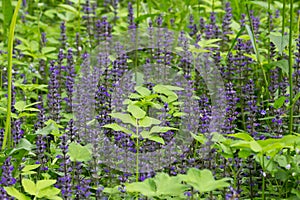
{"x":148,"y":99}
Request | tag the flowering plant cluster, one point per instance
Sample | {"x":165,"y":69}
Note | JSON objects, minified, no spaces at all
{"x":149,"y":99}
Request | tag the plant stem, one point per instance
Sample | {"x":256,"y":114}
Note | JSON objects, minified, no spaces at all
{"x":283,"y":18}
{"x":291,"y":68}
{"x":7,"y":139}
{"x":137,"y":152}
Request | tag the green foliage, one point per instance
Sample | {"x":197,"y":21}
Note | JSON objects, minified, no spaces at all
{"x":42,"y":189}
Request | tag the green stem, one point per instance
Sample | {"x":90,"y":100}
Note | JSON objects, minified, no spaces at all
{"x":283,"y":18}
{"x":6,"y":139}
{"x":269,"y":31}
{"x":291,"y":68}
{"x":137,"y":152}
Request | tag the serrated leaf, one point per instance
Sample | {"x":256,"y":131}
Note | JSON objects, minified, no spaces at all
{"x":15,"y":193}
{"x":136,"y":111}
{"x":29,"y":186}
{"x":79,"y":153}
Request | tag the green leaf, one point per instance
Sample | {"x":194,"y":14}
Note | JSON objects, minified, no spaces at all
{"x":68,"y":8}
{"x":48,"y":192}
{"x":279,"y":102}
{"x":148,"y":121}
{"x":46,"y":50}
{"x":167,"y":185}
{"x":23,"y":145}
{"x":171,"y":87}
{"x":164,"y":90}
{"x":136,"y":111}
{"x":142,"y":91}
{"x":279,"y":41}
{"x":15,"y":193}
{"x":125,"y":118}
{"x":29,"y":186}
{"x":243,"y":136}
{"x":156,"y":139}
{"x":252,"y":38}
{"x":161,"y":129}
{"x":51,"y":128}
{"x":200,"y":138}
{"x":79,"y":153}
{"x":203,"y":180}
{"x":117,"y":127}
{"x":42,"y":184}
{"x":282,"y":64}
{"x":30,"y":167}
{"x":20,"y":106}
{"x":7,"y":10}
{"x":262,"y":4}
{"x":255,"y":146}
{"x":146,"y":187}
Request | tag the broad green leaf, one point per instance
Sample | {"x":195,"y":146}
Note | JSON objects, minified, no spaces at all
{"x":143,"y":91}
{"x":125,"y":118}
{"x":262,"y":4}
{"x":156,"y":139}
{"x":48,"y":192}
{"x":243,"y":136}
{"x":200,"y":138}
{"x":255,"y":146}
{"x":279,"y":102}
{"x":23,"y":145}
{"x":46,"y":50}
{"x":279,"y":41}
{"x":68,"y":8}
{"x":148,"y":121}
{"x":15,"y":193}
{"x":146,"y":187}
{"x":203,"y":180}
{"x":161,"y":129}
{"x":42,"y":184}
{"x":136,"y":111}
{"x":30,"y":167}
{"x":117,"y":127}
{"x":20,"y":106}
{"x":217,"y":137}
{"x":29,"y":186}
{"x":167,"y":185}
{"x":171,"y":87}
{"x":51,"y":128}
{"x":164,"y":90}
{"x":282,"y":64}
{"x":79,"y":153}
{"x":135,"y":96}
